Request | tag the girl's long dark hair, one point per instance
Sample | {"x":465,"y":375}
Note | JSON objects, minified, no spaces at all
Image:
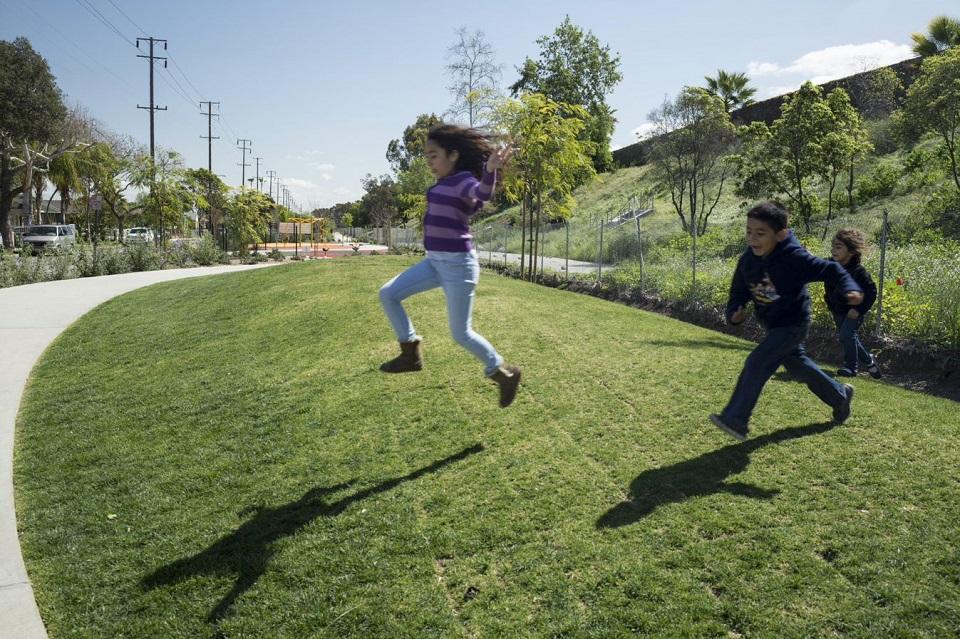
{"x":473,"y":146}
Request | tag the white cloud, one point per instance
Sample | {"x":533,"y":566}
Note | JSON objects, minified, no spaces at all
{"x":644,"y":131}
{"x":325,"y":166}
{"x":770,"y":92}
{"x":326,"y":194}
{"x":833,"y":62}
{"x":755,"y":69}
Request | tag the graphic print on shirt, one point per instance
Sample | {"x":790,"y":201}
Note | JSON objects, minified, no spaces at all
{"x":764,"y":292}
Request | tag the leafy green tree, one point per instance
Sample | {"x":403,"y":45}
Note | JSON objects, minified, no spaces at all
{"x":31,"y":113}
{"x":247,"y":218}
{"x":474,"y":75}
{"x":942,"y":34}
{"x":785,"y":157}
{"x":412,"y":186}
{"x":210,"y":195}
{"x":879,"y":92}
{"x":167,"y":196}
{"x":732,"y":88}
{"x":933,"y":103}
{"x":550,"y":159}
{"x":693,"y":134}
{"x":842,"y":145}
{"x":575,"y":69}
{"x":379,"y":205}
{"x":400,"y":153}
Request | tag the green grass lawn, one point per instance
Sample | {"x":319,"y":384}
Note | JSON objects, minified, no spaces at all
{"x":220,"y":457}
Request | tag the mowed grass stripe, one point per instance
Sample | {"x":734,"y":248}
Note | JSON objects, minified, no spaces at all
{"x":221,"y":457}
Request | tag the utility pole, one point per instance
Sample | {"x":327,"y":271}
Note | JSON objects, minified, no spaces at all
{"x":153,"y":108}
{"x":257,"y":182}
{"x":243,"y":142}
{"x":271,"y":174}
{"x":209,"y":137}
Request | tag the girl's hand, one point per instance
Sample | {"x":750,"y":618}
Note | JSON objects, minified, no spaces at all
{"x":738,"y":316}
{"x":498,"y":158}
{"x":854,"y":298}
{"x":853,"y":314}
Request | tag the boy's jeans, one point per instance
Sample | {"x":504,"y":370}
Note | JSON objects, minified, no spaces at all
{"x":457,"y":274}
{"x":783,"y":345}
{"x":853,"y":351}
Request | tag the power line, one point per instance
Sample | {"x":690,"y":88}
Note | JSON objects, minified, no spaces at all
{"x":92,"y":10}
{"x":199,"y":93}
{"x":62,"y":37}
{"x":179,"y":90}
{"x":127,"y":17}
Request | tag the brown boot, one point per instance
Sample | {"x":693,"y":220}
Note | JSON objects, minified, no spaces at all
{"x":508,"y":379}
{"x":407,"y":361}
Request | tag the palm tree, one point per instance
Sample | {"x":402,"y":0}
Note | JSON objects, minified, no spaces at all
{"x":943,"y":33}
{"x":732,"y":89}
{"x":65,"y":176}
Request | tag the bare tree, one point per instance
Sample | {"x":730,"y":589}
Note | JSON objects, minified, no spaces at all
{"x":474,"y":76}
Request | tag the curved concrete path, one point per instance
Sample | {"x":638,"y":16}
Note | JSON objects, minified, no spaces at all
{"x":31,"y":316}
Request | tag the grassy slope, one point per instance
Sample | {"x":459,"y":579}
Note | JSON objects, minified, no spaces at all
{"x":610,"y":193}
{"x":234,"y":433}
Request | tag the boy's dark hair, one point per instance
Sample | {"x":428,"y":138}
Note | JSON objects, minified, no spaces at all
{"x":854,"y":241}
{"x":772,"y":213}
{"x":473,"y":146}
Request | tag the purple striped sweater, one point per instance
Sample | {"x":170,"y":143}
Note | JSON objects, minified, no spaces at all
{"x":450,"y":203}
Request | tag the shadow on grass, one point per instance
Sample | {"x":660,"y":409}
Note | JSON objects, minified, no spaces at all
{"x":246,"y":552}
{"x":699,"y":477}
{"x":712,"y":343}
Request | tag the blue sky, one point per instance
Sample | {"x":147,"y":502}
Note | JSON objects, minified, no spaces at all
{"x":321,"y":87}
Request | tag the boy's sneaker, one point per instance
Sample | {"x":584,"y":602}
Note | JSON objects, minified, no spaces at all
{"x":846,"y":372}
{"x":874,"y":370}
{"x":739,"y":433}
{"x":842,"y":410}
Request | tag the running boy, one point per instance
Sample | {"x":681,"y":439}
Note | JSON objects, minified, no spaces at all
{"x":774,"y":272}
{"x":846,"y":249}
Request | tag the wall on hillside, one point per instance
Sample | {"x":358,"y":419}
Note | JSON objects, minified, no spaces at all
{"x":769,"y":110}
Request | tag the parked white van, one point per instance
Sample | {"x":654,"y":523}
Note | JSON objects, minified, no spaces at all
{"x":42,"y":236}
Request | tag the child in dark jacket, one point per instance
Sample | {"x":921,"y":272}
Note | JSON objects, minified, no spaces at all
{"x":773,"y":272}
{"x":847,"y":249}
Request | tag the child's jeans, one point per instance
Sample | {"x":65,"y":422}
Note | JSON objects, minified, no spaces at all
{"x":783,"y":345}
{"x":458,"y":274}
{"x":853,"y":351}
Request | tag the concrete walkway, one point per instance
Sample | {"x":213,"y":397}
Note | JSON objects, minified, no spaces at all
{"x":31,"y":317}
{"x":558,"y":264}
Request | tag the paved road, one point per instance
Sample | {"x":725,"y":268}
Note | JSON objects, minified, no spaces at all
{"x":31,"y":317}
{"x":550,"y":263}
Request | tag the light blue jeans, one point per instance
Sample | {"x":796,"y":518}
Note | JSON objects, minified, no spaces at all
{"x":458,"y":274}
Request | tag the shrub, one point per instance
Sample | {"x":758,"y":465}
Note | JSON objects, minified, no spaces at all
{"x":206,"y":252}
{"x":59,"y":264}
{"x":880,"y":182}
{"x":276,"y":255}
{"x":923,"y":167}
{"x":144,"y":256}
{"x":180,"y":255}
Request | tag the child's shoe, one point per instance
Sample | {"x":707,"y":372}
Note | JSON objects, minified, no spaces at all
{"x":842,"y":410}
{"x":874,"y":370}
{"x":739,"y":433}
{"x":846,"y":372}
{"x":508,"y":379}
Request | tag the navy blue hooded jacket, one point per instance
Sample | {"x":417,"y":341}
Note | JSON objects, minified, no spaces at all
{"x":838,"y":303}
{"x":777,"y":283}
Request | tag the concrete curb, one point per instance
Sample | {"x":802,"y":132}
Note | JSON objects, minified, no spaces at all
{"x":31,"y":317}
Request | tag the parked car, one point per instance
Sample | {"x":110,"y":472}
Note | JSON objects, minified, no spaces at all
{"x":43,"y":236}
{"x":139,"y":234}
